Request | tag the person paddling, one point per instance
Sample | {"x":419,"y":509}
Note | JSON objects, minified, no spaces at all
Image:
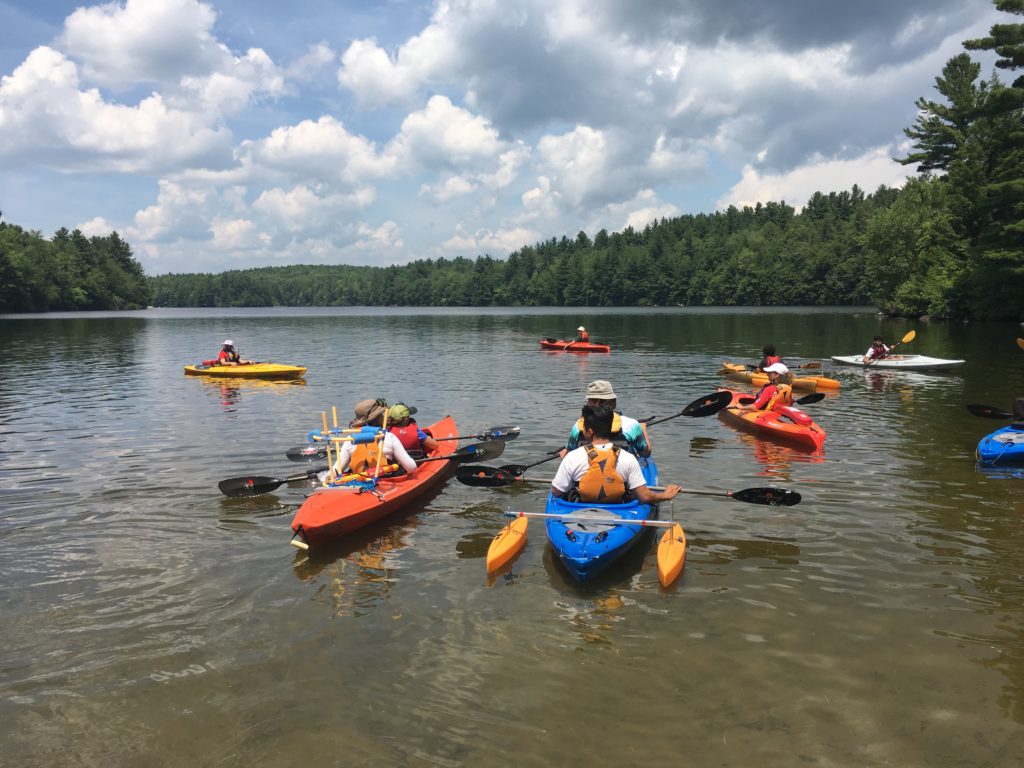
{"x":229,"y":355}
{"x":582,"y":335}
{"x":599,"y":471}
{"x":773,"y":393}
{"x":634,"y":433}
{"x":877,"y":350}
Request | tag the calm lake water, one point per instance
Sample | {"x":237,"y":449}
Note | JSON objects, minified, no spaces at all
{"x":147,"y":620}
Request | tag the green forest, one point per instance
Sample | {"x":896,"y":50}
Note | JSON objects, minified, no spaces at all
{"x":948,"y":244}
{"x":68,"y":272}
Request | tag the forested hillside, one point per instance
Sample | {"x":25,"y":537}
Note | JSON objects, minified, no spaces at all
{"x":763,"y":255}
{"x":67,"y":272}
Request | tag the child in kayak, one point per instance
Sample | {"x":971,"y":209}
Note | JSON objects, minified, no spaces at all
{"x":768,"y":357}
{"x":770,"y":390}
{"x":876,"y":351}
{"x":582,"y":335}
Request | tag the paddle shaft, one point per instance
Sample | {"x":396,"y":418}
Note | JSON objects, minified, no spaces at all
{"x":588,"y":519}
{"x":654,"y":488}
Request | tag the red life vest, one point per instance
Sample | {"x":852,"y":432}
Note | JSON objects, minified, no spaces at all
{"x":231,"y":357}
{"x":584,"y":336}
{"x":408,"y":436}
{"x":601,"y":482}
{"x":770,"y":360}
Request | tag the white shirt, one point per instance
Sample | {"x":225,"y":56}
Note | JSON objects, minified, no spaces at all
{"x":393,"y":451}
{"x":576,"y":463}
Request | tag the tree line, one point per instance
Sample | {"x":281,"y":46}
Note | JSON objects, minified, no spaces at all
{"x":68,"y":272}
{"x":949,"y":244}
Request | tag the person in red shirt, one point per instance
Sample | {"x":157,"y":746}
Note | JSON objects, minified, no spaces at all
{"x":768,"y":391}
{"x":768,"y":357}
{"x":402,"y":425}
{"x":229,"y":355}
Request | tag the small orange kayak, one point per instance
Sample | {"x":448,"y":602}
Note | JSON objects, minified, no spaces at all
{"x":507,"y":544}
{"x":671,"y":555}
{"x":785,"y":424}
{"x":739,"y":372}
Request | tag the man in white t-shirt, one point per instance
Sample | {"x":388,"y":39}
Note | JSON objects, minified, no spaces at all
{"x":574,"y":469}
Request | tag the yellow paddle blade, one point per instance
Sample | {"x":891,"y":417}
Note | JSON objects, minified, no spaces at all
{"x":507,"y":544}
{"x":671,"y":555}
{"x":1020,"y":343}
{"x":909,"y":337}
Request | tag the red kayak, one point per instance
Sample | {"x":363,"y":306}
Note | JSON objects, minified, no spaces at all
{"x":573,"y":346}
{"x":333,"y":512}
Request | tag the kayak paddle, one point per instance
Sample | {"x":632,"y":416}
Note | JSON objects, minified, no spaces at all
{"x":813,"y":366}
{"x":989,"y":412}
{"x":702,"y":406}
{"x":255,"y":485}
{"x":315,"y":451}
{"x":489,"y":477}
{"x":907,"y":338}
{"x":815,"y":397}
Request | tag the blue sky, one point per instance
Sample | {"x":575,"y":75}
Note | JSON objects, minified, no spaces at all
{"x":224,"y":135}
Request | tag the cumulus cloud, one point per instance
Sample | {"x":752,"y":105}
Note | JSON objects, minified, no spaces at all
{"x":142,"y":41}
{"x":821,"y":174}
{"x":45,"y":116}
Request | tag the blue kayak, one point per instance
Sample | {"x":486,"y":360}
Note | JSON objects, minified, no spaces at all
{"x":1004,"y":446}
{"x":587,"y":548}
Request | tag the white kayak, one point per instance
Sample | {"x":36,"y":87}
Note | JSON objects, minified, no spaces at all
{"x":900,"y":362}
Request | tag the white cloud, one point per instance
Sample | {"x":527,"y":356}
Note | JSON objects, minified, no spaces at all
{"x":302,"y":210}
{"x":821,"y":174}
{"x":445,"y":136}
{"x":321,"y":149}
{"x":497,"y":243}
{"x":45,"y":115}
{"x":97,"y":227}
{"x":142,"y":41}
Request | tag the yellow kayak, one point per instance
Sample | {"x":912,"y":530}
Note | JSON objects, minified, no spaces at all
{"x":738,"y":372}
{"x":252,"y":371}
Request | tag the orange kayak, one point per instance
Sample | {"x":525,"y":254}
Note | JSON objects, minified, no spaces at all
{"x":739,"y":372}
{"x":335,"y":511}
{"x":786,"y":424}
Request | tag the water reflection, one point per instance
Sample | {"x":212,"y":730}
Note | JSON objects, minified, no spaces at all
{"x":358,"y":572}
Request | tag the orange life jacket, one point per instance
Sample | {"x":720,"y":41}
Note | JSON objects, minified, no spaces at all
{"x":364,"y":457}
{"x":601,"y":482}
{"x":782,"y":397}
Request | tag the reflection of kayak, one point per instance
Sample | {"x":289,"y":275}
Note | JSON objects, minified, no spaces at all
{"x":739,"y":372}
{"x":786,"y":424}
{"x":573,"y":346}
{"x":1004,"y":446}
{"x":335,"y":511}
{"x":900,"y":362}
{"x":587,"y":548}
{"x":254,"y":371}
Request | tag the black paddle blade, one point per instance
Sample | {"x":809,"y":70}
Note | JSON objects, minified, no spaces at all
{"x":500,"y":433}
{"x":249,"y":486}
{"x":770,"y":496}
{"x":514,"y":470}
{"x":257,"y":484}
{"x":480,"y":476}
{"x":310,"y":452}
{"x":816,"y":397}
{"x":484,"y":451}
{"x":989,"y":412}
{"x":708,"y":405}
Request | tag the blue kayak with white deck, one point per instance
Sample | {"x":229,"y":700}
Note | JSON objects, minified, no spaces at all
{"x":587,"y":548}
